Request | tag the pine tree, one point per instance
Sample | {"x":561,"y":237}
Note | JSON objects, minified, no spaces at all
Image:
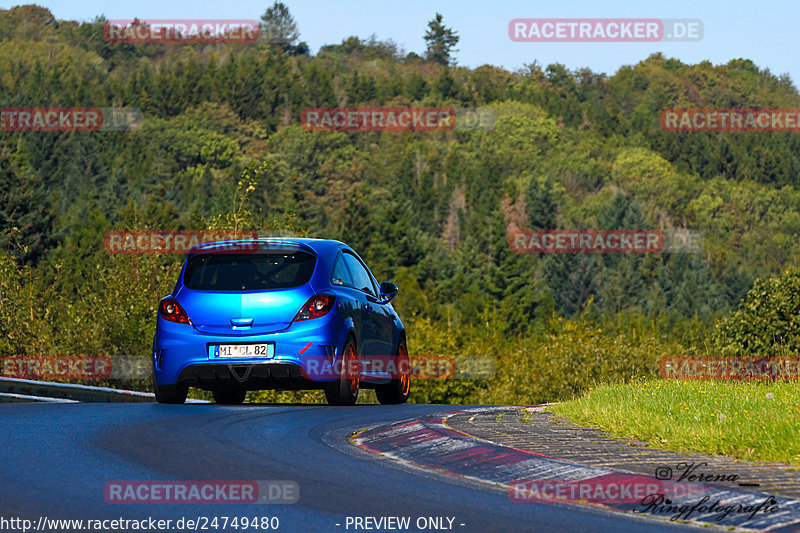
{"x":279,"y":27}
{"x":24,"y":220}
{"x":541,"y":205}
{"x":441,"y":41}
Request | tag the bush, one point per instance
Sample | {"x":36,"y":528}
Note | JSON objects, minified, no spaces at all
{"x":577,"y":356}
{"x":767,"y":323}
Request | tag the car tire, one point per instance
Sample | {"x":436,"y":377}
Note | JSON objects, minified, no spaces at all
{"x":171,"y":394}
{"x":344,"y":390}
{"x":229,"y":396}
{"x":397,"y":390}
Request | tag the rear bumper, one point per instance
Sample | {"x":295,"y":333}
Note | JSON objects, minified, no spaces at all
{"x":248,"y":376}
{"x":181,"y":354}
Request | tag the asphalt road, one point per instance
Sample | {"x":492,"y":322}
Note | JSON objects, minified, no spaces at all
{"x":57,"y":458}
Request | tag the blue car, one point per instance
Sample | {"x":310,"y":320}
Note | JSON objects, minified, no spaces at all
{"x":285,"y":314}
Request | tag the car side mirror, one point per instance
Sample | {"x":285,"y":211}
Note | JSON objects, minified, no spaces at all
{"x":388,"y":291}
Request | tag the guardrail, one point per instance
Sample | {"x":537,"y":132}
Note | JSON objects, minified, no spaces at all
{"x":7,"y":397}
{"x":19,"y":388}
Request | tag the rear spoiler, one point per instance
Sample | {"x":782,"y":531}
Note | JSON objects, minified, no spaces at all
{"x":248,"y":246}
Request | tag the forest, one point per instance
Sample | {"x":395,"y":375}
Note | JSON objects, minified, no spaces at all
{"x":221,"y":147}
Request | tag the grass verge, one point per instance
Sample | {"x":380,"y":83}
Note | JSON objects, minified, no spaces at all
{"x":755,"y":421}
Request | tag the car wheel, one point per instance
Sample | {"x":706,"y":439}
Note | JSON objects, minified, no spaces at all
{"x":229,"y":396}
{"x":397,"y":390}
{"x":173,"y":394}
{"x":344,"y":391}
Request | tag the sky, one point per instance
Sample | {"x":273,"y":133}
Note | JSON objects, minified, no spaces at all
{"x":765,"y":31}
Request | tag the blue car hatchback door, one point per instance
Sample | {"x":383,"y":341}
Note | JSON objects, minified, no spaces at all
{"x":284,"y":314}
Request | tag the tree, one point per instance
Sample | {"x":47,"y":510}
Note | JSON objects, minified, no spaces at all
{"x":370,"y":48}
{"x":279,"y":27}
{"x":24,"y":218}
{"x":446,"y":86}
{"x":766,"y":323}
{"x":416,"y":86}
{"x":300,"y":49}
{"x":541,"y":206}
{"x":441,"y":41}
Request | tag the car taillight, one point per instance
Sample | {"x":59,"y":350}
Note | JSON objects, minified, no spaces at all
{"x":171,"y":310}
{"x":317,"y":306}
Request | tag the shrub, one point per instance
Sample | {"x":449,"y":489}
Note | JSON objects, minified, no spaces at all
{"x":767,"y":323}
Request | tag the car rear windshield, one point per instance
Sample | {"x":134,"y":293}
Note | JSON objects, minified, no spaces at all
{"x":250,"y":271}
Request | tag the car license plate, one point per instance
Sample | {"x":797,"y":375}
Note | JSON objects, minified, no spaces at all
{"x":266,"y":350}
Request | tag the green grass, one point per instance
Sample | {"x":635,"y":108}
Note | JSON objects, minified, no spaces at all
{"x":714,"y":417}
